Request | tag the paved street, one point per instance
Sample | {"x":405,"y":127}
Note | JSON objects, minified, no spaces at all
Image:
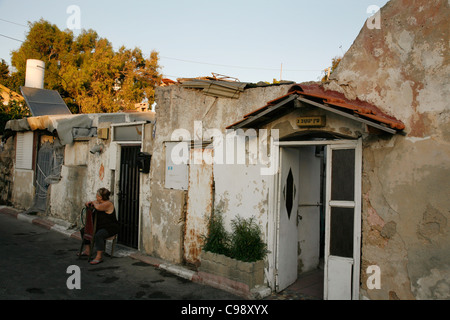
{"x":34,"y":265}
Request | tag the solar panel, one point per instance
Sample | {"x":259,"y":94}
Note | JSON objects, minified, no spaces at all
{"x":44,"y":102}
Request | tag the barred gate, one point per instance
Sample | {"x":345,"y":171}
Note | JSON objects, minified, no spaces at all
{"x":128,"y":197}
{"x":50,"y":158}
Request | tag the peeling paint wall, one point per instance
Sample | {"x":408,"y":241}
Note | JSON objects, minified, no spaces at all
{"x":404,"y":68}
{"x":242,"y":191}
{"x":82,"y":172}
{"x":179,"y":108}
{"x":23,"y":188}
{"x":199,"y":205}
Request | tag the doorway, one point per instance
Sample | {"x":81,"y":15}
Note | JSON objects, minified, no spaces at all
{"x":318,"y":216}
{"x":128,"y":197}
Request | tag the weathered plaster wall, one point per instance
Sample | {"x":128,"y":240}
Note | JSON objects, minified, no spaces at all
{"x":198,"y":205}
{"x":145,"y":190}
{"x":83,"y":173}
{"x":179,"y":108}
{"x":68,"y":196}
{"x":23,"y":188}
{"x":404,"y":68}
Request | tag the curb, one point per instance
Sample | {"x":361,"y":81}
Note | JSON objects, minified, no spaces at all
{"x":209,"y":279}
{"x":47,"y":224}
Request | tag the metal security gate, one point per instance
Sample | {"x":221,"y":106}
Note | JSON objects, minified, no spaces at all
{"x":50,"y":159}
{"x":128,"y":197}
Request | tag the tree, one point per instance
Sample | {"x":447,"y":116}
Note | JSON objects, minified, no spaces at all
{"x":86,"y":70}
{"x":13,"y":109}
{"x":4,"y":72}
{"x":12,"y":105}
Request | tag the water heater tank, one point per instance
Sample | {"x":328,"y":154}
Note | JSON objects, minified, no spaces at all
{"x":34,"y":77}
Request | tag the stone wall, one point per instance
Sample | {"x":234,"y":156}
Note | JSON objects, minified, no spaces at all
{"x":7,"y":154}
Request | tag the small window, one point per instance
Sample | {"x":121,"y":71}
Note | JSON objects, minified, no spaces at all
{"x":128,"y":133}
{"x":24,"y":150}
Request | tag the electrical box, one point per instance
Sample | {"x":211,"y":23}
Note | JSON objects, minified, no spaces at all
{"x":102,"y":133}
{"x":143,"y":162}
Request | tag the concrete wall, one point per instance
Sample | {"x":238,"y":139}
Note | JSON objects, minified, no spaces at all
{"x":403,"y":68}
{"x":72,"y":184}
{"x":23,"y":188}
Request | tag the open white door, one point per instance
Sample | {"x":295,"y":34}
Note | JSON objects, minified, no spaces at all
{"x":343,"y":221}
{"x":287,"y":255}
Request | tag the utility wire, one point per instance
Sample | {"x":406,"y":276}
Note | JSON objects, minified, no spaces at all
{"x":10,"y":37}
{"x":231,"y":66}
{"x":196,"y":62}
{"x":18,"y":24}
{"x":184,"y":60}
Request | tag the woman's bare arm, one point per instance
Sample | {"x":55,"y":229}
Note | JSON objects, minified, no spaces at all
{"x":106,"y":206}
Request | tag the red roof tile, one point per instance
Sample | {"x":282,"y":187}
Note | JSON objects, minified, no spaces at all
{"x":335,"y":100}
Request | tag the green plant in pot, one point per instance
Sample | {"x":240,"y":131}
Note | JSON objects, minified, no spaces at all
{"x":217,"y":240}
{"x":246,"y":240}
{"x":244,"y":243}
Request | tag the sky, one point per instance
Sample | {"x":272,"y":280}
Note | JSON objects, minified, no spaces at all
{"x":245,"y":39}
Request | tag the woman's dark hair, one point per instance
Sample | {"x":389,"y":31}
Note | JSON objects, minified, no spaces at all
{"x":104,"y":193}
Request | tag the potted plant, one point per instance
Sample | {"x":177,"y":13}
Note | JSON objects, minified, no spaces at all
{"x":238,"y":255}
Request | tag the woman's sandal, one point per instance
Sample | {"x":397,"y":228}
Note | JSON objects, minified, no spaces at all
{"x":95,"y":261}
{"x":83,"y":254}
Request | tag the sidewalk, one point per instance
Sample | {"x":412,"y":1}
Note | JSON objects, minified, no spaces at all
{"x":63,"y":227}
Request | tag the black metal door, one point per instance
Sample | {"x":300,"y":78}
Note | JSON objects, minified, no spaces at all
{"x":129,"y":197}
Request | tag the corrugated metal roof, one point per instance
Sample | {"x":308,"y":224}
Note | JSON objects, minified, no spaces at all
{"x":216,"y":88}
{"x":334,"y":101}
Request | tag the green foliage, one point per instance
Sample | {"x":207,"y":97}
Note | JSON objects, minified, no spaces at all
{"x":13,"y":110}
{"x":217,"y":240}
{"x":88,"y":73}
{"x":244,"y":243}
{"x":246,"y":240}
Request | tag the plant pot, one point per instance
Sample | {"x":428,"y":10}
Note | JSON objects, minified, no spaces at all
{"x":249,"y":273}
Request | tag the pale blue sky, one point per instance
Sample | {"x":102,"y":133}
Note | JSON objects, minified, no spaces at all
{"x":246,"y":39}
